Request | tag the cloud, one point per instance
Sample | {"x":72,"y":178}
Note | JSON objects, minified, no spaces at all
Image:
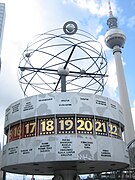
{"x":131,"y":22}
{"x":111,"y":88}
{"x":99,"y":28}
{"x":101,"y":39}
{"x":22,"y":17}
{"x":98,"y":8}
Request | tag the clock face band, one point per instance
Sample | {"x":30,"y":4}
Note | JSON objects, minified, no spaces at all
{"x":64,"y":124}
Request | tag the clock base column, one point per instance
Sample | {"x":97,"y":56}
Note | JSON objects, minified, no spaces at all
{"x":66,"y":175}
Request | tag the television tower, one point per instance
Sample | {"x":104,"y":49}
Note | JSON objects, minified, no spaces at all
{"x":115,"y":39}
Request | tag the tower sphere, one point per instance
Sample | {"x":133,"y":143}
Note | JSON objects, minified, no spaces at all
{"x":115,"y":37}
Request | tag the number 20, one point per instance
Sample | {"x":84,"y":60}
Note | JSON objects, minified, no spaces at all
{"x":84,"y":125}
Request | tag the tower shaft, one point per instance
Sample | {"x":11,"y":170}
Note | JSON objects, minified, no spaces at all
{"x":123,"y":93}
{"x":115,"y":39}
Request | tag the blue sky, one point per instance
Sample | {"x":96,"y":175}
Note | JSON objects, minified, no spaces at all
{"x":27,"y":18}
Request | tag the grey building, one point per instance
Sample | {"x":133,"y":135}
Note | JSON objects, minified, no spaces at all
{"x":2,"y":22}
{"x":0,"y":162}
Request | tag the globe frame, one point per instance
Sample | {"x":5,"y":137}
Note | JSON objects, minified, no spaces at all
{"x":68,"y":46}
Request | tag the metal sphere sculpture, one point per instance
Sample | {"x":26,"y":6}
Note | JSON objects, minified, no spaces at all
{"x":58,"y":60}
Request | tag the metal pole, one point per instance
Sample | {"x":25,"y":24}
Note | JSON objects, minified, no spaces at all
{"x":4,"y":175}
{"x":63,"y":83}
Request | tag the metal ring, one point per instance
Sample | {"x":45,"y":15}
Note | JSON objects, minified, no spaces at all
{"x":70,"y":27}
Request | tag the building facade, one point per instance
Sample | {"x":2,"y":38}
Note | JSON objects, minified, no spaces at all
{"x":2,"y":22}
{"x":0,"y":162}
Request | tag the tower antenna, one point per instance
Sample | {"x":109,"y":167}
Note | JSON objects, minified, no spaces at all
{"x":110,"y":9}
{"x":112,"y":21}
